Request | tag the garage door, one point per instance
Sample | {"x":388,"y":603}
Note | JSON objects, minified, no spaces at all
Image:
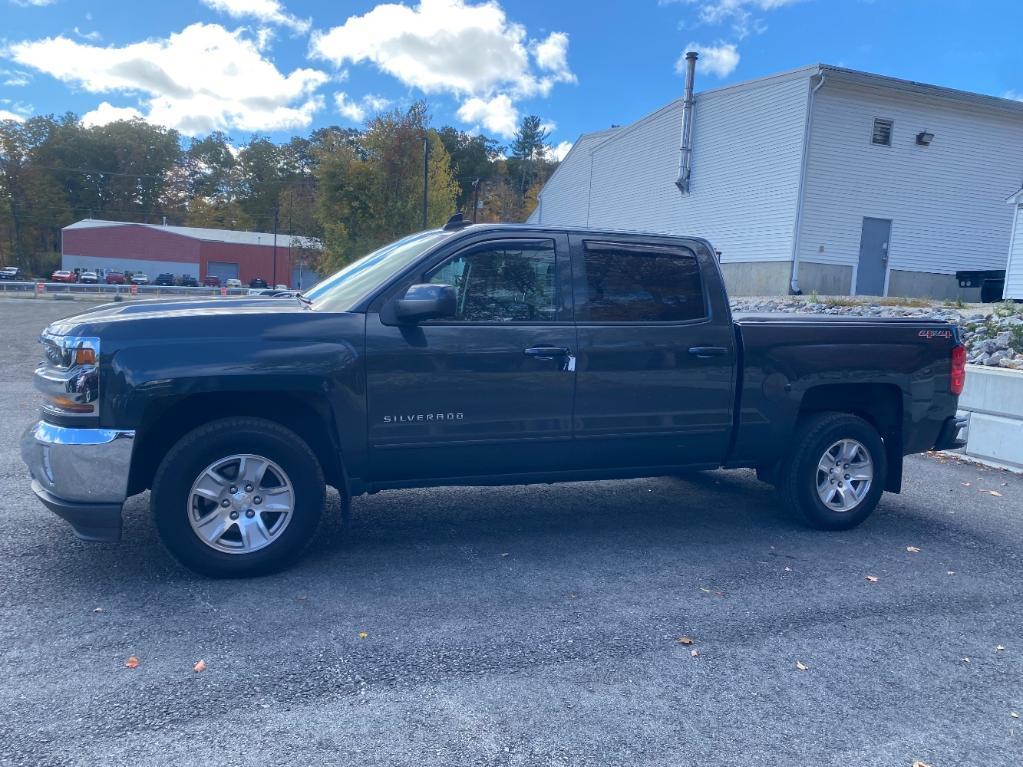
{"x":222,"y":269}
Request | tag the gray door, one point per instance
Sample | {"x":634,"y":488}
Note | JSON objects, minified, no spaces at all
{"x":222,"y":269}
{"x":874,"y":239}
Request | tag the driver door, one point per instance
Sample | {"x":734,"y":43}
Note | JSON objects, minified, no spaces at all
{"x":488,"y":391}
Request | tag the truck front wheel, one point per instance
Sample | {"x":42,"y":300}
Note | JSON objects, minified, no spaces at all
{"x":835,"y":474}
{"x":238,"y":497}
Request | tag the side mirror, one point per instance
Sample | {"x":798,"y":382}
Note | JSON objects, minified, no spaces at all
{"x":426,"y":302}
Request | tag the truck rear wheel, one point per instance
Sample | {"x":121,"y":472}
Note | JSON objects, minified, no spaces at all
{"x":835,"y":475}
{"x":238,"y":497}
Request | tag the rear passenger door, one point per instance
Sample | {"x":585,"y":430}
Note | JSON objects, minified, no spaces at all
{"x":656,"y":353}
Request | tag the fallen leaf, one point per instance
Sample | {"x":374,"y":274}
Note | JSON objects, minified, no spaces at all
{"x":788,"y":569}
{"x":999,"y":648}
{"x":800,"y":666}
{"x":951,"y":572}
{"x":995,"y":493}
{"x":912,"y":549}
{"x":98,"y":610}
{"x":706,"y":591}
{"x":966,"y":660}
{"x":872,"y":578}
{"x":199,"y":667}
{"x":504,"y":554}
{"x":695,"y":653}
{"x":301,"y":599}
{"x":685,"y":640}
{"x":363,"y":635}
{"x":918,"y":763}
{"x":1014,"y":715}
{"x":132,"y":662}
{"x":966,"y":484}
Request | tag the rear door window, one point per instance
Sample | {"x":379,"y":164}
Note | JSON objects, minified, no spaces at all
{"x":626,"y":283}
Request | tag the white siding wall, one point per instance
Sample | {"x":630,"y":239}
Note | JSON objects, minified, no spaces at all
{"x":565,"y":197}
{"x":946,"y":201}
{"x":747,"y":150}
{"x":1014,"y":270}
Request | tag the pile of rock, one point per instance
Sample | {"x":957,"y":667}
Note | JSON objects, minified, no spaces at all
{"x":992,"y":333}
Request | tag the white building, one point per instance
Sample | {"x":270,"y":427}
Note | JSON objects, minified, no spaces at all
{"x":1014,"y":268}
{"x":820,"y":179}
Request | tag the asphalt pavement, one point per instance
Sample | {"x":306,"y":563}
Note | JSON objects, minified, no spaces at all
{"x":533,"y":625}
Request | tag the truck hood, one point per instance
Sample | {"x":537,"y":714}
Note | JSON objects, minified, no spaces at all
{"x":249,"y":319}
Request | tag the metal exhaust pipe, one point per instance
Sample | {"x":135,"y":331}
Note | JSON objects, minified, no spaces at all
{"x":685,"y":157}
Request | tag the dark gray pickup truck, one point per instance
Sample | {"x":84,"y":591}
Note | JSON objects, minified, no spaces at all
{"x":489,"y":354}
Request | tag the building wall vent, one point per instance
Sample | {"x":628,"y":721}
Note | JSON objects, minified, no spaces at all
{"x":882,"y":134}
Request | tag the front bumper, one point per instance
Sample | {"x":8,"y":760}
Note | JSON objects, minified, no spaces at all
{"x":81,"y":475}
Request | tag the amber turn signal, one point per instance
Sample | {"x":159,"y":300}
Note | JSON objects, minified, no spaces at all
{"x":85,"y":356}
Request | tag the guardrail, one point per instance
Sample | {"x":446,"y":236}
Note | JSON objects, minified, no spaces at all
{"x":125,"y":291}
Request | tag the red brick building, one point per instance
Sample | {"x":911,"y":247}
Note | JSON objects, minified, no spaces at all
{"x":154,"y":249}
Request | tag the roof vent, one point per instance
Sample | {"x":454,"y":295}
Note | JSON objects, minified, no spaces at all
{"x":882,"y":134}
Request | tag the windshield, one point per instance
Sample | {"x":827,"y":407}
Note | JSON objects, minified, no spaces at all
{"x":342,"y":290}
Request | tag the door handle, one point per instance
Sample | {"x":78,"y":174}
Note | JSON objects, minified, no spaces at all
{"x":545,"y":352}
{"x":706,"y":352}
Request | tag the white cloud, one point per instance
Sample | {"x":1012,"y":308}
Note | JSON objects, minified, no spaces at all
{"x":266,"y":11}
{"x":36,"y":3}
{"x":561,"y":150}
{"x":201,"y":79}
{"x":719,"y":59}
{"x":1014,"y":95}
{"x":552,"y":56}
{"x":8,"y":115}
{"x":741,"y":14}
{"x":14,"y":78}
{"x":108,"y":113}
{"x":498,"y":115}
{"x":93,"y":36}
{"x":358,"y":111}
{"x":473,"y":52}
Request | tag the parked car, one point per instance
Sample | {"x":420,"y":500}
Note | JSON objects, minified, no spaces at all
{"x":188,"y":281}
{"x":115,"y":278}
{"x":63,"y":275}
{"x":139,"y":279}
{"x":11,"y":273}
{"x":211,"y":281}
{"x":583,"y":354}
{"x":233,"y":283}
{"x":258,"y":282}
{"x":278,"y":286}
{"x":88,"y":277}
{"x":166,"y":279}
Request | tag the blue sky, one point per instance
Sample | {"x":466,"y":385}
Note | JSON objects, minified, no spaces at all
{"x":283,"y":67}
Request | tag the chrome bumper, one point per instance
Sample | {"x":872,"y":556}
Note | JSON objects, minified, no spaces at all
{"x":81,"y":475}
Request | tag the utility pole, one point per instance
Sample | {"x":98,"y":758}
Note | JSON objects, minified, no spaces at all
{"x":276,"y":215}
{"x":426,"y":179}
{"x":475,"y":199}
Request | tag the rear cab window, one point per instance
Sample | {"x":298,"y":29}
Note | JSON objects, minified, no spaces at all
{"x":629,"y":282}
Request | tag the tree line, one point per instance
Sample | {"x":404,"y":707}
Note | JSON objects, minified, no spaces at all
{"x":354,"y":189}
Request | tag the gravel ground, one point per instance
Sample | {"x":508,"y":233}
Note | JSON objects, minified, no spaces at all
{"x":523,"y":626}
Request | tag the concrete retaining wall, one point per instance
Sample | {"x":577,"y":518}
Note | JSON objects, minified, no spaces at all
{"x":993,"y":398}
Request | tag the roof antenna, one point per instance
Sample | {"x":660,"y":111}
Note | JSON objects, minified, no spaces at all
{"x":456,"y":222}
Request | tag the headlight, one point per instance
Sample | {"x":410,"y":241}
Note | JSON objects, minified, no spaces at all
{"x":69,"y":378}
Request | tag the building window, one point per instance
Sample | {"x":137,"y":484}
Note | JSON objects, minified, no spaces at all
{"x":882,"y":132}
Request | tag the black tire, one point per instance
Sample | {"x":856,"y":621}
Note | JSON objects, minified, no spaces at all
{"x":203,"y":447}
{"x":798,"y":477}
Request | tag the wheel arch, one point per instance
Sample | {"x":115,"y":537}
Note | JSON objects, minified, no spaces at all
{"x":880,"y":405}
{"x":167,"y":420}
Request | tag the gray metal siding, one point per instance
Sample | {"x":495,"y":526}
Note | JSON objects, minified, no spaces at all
{"x":946,"y":200}
{"x":564,"y":199}
{"x":747,"y":151}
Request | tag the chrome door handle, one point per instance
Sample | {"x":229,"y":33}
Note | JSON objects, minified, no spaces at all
{"x":545,"y":352}
{"x":706,"y":352}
